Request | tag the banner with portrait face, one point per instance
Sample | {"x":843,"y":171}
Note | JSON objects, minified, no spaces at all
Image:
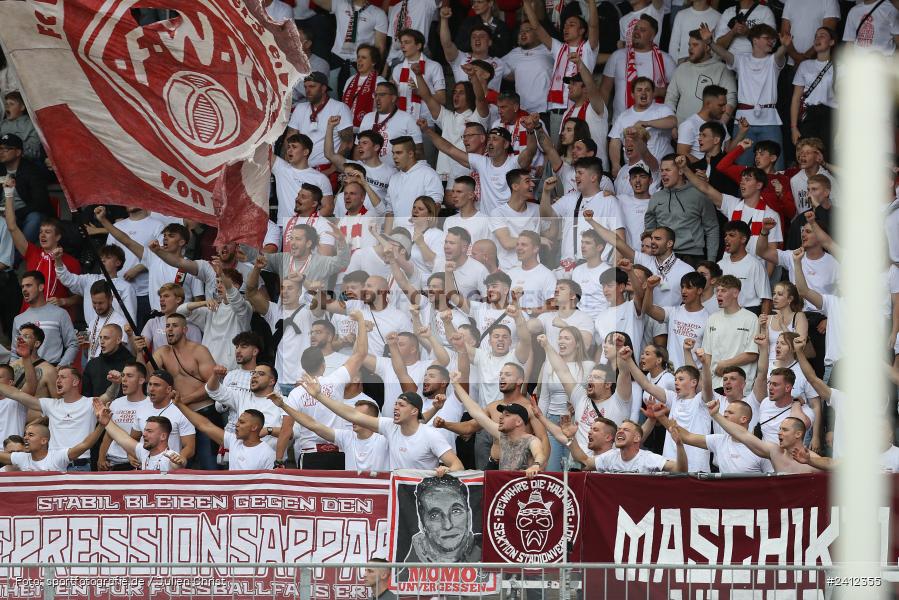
{"x":438,"y":520}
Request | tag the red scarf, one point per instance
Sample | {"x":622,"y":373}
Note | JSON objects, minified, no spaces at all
{"x":630,"y":72}
{"x":360,"y":98}
{"x":755,"y":227}
{"x":556,"y":93}
{"x":581,"y":113}
{"x":519,"y":133}
{"x":355,"y":238}
{"x":405,"y":73}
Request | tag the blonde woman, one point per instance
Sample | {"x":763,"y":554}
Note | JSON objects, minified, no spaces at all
{"x":427,"y":237}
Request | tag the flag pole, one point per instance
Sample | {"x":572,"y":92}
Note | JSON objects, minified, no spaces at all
{"x":96,"y":255}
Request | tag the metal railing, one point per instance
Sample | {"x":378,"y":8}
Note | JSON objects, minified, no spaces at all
{"x":308,"y":581}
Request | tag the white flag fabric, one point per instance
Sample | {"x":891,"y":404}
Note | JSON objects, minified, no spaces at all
{"x":178,"y":116}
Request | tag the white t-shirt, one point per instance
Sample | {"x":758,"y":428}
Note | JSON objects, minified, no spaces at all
{"x":799,"y":185}
{"x":822,"y":275}
{"x":733,"y":457}
{"x":634,"y":212}
{"x":180,"y":425}
{"x":592,"y":300}
{"x":388,"y":320}
{"x":161,"y":273}
{"x":728,"y":335}
{"x":332,"y":385}
{"x":875,"y":33}
{"x":757,"y":87}
{"x":241,"y":457}
{"x":124,"y":414}
{"x":392,"y":388}
{"x":469,"y":276}
{"x":485,"y":314}
{"x":531,"y":70}
{"x":464,"y":58}
{"x":741,"y":45}
{"x":770,"y":418}
{"x":418,"y":17}
{"x":823,"y":93}
{"x":391,"y":127}
{"x":300,"y":120}
{"x":56,"y":460}
{"x":279,"y":11}
{"x":487,"y":366}
{"x":477,"y":225}
{"x":370,"y":19}
{"x":692,"y":415}
{"x":889,"y":460}
{"x":805,"y":16}
{"x":668,"y":292}
{"x":606,"y":212}
{"x":644,"y":462}
{"x":622,"y":318}
{"x":12,"y":417}
{"x":506,"y":217}
{"x":156,"y":462}
{"x":142,"y":231}
{"x":683,"y":324}
{"x":688,"y":133}
{"x":659,"y":143}
{"x":616,"y":69}
{"x":370,"y":455}
{"x":421,"y":450}
{"x":538,"y":284}
{"x":833,"y":341}
{"x":494,"y":189}
{"x":289,"y":180}
{"x":378,"y":178}
{"x":686,"y":20}
{"x":750,"y":270}
{"x":405,"y":186}
{"x":70,"y":422}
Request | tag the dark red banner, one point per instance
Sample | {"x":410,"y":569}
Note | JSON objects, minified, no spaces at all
{"x":287,"y":517}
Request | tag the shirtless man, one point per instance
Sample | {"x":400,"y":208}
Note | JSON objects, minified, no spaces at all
{"x":44,"y":383}
{"x":511,"y":379}
{"x":190,"y":364}
{"x":790,"y":435}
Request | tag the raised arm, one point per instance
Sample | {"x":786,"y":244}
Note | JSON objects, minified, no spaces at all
{"x":26,"y":400}
{"x":758,"y":447}
{"x":117,"y":234}
{"x":801,"y":284}
{"x":18,"y":238}
{"x":656,"y":312}
{"x":558,"y":365}
{"x":215,"y":433}
{"x":652,"y":389}
{"x":590,"y":87}
{"x":87,"y":443}
{"x":523,"y":349}
{"x":424,"y":91}
{"x":700,"y":184}
{"x":322,"y":431}
{"x":442,"y":144}
{"x":450,"y":51}
{"x":615,"y":238}
{"x":333,"y":157}
{"x":534,"y":20}
{"x":681,"y":465}
{"x":174,"y":259}
{"x":593,"y":25}
{"x":115,"y":433}
{"x":474,"y":409}
{"x":344,"y":411}
{"x":763,"y":249}
{"x":531,"y":124}
{"x":708,"y":37}
{"x":822,"y":389}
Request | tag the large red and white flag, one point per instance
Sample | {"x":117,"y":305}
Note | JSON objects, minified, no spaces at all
{"x":177,"y":117}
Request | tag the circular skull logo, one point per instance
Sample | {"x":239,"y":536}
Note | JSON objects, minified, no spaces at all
{"x":526,"y":523}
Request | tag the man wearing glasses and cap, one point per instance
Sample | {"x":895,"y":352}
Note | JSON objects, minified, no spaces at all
{"x":311,"y":119}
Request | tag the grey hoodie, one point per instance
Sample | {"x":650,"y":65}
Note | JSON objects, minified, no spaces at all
{"x":684,"y":94}
{"x":690,"y":214}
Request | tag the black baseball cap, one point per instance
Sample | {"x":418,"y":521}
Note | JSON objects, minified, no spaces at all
{"x":515,"y":409}
{"x":317,"y":77}
{"x":415,"y":400}
{"x":502,"y":132}
{"x":11,"y":140}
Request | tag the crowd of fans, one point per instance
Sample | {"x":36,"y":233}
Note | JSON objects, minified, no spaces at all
{"x":516,"y":235}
